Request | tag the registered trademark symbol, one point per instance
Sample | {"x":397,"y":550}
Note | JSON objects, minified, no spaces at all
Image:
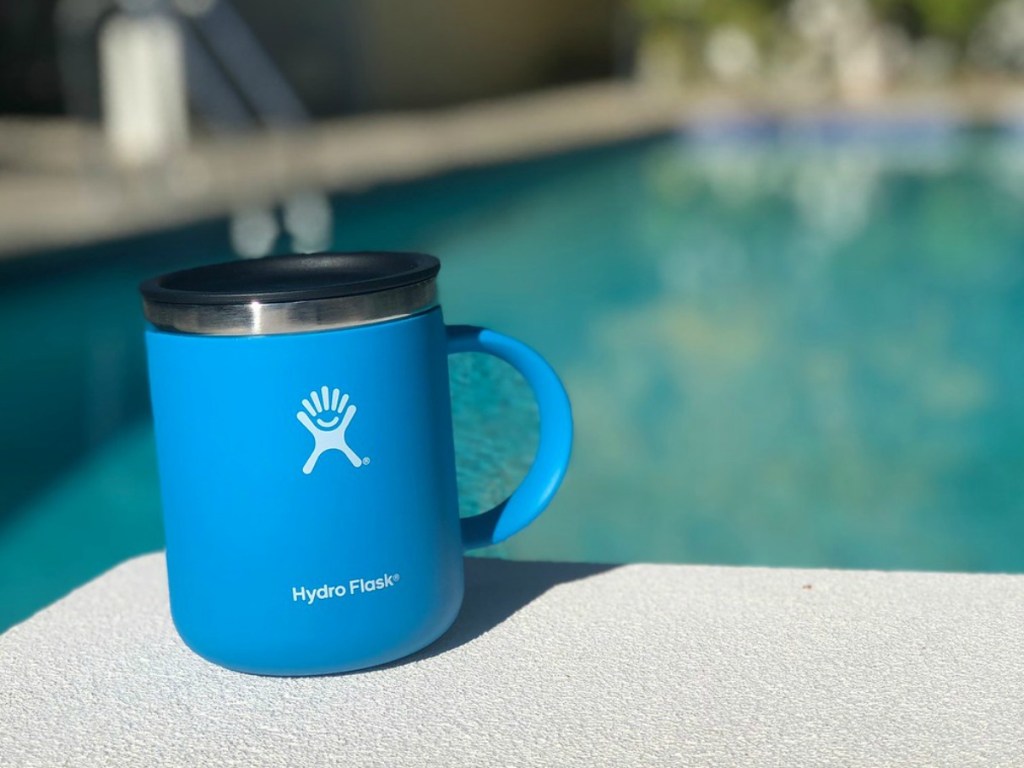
{"x":366,"y":461}
{"x":396,"y":577}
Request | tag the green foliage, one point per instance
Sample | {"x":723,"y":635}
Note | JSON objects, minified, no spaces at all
{"x":952,"y":20}
{"x":709,"y":13}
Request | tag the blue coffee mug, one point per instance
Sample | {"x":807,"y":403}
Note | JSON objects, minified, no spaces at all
{"x":307,"y":466}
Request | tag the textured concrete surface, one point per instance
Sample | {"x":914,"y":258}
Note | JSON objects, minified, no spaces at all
{"x":553,"y":664}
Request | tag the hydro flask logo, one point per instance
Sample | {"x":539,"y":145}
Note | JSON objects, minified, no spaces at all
{"x":327,"y":415}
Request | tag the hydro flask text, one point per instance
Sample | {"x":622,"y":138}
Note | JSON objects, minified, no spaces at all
{"x":310,"y":595}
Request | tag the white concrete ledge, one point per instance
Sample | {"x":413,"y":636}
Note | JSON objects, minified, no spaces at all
{"x":553,"y":664}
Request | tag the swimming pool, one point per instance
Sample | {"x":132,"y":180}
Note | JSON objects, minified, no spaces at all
{"x":785,"y":345}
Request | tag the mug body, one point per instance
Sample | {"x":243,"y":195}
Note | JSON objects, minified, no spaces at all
{"x":309,"y":493}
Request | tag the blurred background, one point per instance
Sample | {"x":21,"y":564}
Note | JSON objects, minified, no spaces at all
{"x":774,"y":247}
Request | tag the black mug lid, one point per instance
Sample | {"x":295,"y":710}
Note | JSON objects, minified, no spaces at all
{"x":289,"y":294}
{"x":301,"y":277}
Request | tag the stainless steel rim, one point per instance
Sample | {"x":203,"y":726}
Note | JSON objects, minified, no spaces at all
{"x":270,"y":318}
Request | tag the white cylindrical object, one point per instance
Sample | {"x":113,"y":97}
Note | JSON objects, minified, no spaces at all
{"x":142,"y":69}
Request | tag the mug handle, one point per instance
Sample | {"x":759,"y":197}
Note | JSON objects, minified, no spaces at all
{"x":553,"y":449}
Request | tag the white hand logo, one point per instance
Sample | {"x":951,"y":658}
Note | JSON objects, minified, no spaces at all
{"x":333,"y":414}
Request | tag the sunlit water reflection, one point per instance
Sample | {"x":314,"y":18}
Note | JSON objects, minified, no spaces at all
{"x":790,"y":351}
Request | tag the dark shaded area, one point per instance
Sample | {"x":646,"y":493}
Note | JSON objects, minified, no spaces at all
{"x":29,"y":82}
{"x":339,"y":58}
{"x":498,"y":589}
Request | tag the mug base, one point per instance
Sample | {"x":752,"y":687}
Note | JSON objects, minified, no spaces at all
{"x":338,"y":668}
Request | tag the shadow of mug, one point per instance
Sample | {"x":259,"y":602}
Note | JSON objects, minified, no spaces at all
{"x":496,"y":590}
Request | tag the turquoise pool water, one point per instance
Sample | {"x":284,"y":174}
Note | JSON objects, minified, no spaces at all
{"x":797,"y":347}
